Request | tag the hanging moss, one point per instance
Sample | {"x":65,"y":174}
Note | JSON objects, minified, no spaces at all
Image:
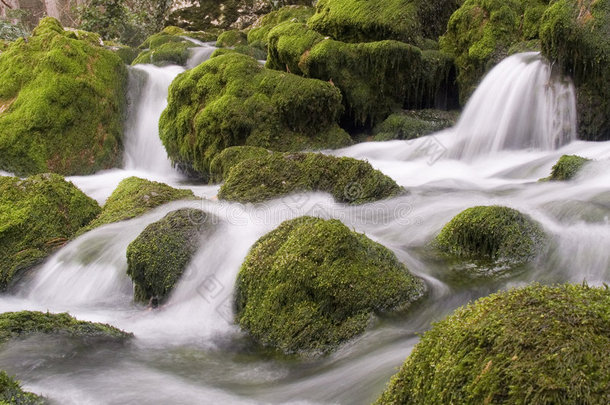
{"x":576,"y":35}
{"x":19,"y":325}
{"x":61,"y":104}
{"x":533,"y":345}
{"x":348,"y":180}
{"x":257,"y":35}
{"x":157,"y":258}
{"x":566,"y":168}
{"x":491,"y":237}
{"x":414,"y":124}
{"x":227,"y":159}
{"x":11,"y":392}
{"x":38,"y":215}
{"x":231,"y":100}
{"x":311,"y":284}
{"x":134,"y":197}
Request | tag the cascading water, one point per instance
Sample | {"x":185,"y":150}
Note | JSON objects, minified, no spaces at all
{"x":190,"y":351}
{"x":520,"y":104}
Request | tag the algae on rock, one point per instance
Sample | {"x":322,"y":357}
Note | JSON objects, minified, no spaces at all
{"x":312,"y":284}
{"x":566,"y":168}
{"x":414,"y":124}
{"x":12,"y":393}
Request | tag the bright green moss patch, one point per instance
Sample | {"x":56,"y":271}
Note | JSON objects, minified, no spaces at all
{"x":37,"y":215}
{"x":257,"y":35}
{"x":414,"y":124}
{"x":166,"y":47}
{"x":159,"y":255}
{"x":134,"y":197}
{"x":533,"y":345}
{"x":232,"y":100}
{"x":491,"y":236}
{"x":567,"y":167}
{"x":348,"y":180}
{"x":61,"y":104}
{"x":11,"y":392}
{"x":18,"y":325}
{"x":231,"y":38}
{"x":311,"y":284}
{"x":227,"y":159}
{"x":251,"y":51}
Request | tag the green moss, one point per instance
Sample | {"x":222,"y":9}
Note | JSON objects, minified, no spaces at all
{"x":251,"y":51}
{"x":134,"y":197}
{"x":534,"y":345}
{"x":210,"y":35}
{"x":257,"y":35}
{"x":157,"y":258}
{"x":533,"y":45}
{"x":491,"y":237}
{"x":576,"y":35}
{"x":348,"y":180}
{"x":11,"y":392}
{"x":231,"y":38}
{"x":37,"y":215}
{"x":166,"y":47}
{"x":363,"y":21}
{"x":480,"y":33}
{"x":414,"y":124}
{"x":231,"y":100}
{"x":311,"y":284}
{"x":61,"y":104}
{"x":227,"y":159}
{"x":19,"y":325}
{"x":567,"y":167}
{"x":126,"y":53}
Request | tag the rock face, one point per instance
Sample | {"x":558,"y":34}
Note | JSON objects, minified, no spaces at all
{"x":491,"y":237}
{"x":312,"y":284}
{"x":37,"y":215}
{"x":62,"y":98}
{"x":537,"y":345}
{"x":157,"y":258}
{"x":231,"y":100}
{"x":349,"y":180}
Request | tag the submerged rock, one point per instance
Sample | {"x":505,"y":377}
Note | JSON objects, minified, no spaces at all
{"x":311,"y":284}
{"x":273,"y":175}
{"x":157,"y":258}
{"x":38,"y":215}
{"x":490,"y":238}
{"x":414,"y":124}
{"x":566,"y":168}
{"x":12,"y":393}
{"x":535,"y":345}
{"x":231,"y":100}
{"x":62,"y":98}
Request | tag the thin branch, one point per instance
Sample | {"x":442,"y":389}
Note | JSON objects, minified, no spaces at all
{"x":6,"y":4}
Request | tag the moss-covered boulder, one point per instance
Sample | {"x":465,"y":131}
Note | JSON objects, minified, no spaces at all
{"x":231,"y":38}
{"x":311,"y":284}
{"x":232,"y":100}
{"x":37,"y":215}
{"x":576,"y":35}
{"x":165,"y":48}
{"x":375,"y":78}
{"x":257,"y":35}
{"x":19,"y":325}
{"x":61,"y":104}
{"x":227,"y":159}
{"x":491,"y":238}
{"x":363,"y":21}
{"x":157,"y":258}
{"x":251,"y":51}
{"x":12,"y":393}
{"x":135,"y":196}
{"x":414,"y":124}
{"x":534,"y":345}
{"x":566,"y":168}
{"x":481,"y":32}
{"x":348,"y":180}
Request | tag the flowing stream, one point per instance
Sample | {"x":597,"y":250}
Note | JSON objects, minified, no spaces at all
{"x":189,"y":351}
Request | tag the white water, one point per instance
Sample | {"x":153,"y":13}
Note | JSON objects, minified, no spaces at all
{"x":189,"y":351}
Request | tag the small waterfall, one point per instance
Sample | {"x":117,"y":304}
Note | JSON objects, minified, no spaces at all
{"x":519,"y":105}
{"x":148,"y":95}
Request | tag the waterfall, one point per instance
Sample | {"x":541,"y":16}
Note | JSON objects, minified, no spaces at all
{"x":520,"y":104}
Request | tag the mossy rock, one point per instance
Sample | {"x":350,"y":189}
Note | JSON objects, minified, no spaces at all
{"x":414,"y":124}
{"x":38,"y":215}
{"x":165,"y":48}
{"x":576,"y":35}
{"x":19,"y":325}
{"x":210,"y":35}
{"x":248,"y":50}
{"x":566,"y":168}
{"x":12,"y":393}
{"x":491,"y":238}
{"x":257,"y":35}
{"x":481,"y":32}
{"x":231,"y":100}
{"x":126,"y":53}
{"x":533,"y":345}
{"x":364,"y":21}
{"x":62,"y":104}
{"x":157,"y":258}
{"x":312,"y":284}
{"x":348,"y":180}
{"x":227,"y":159}
{"x":231,"y":38}
{"x":134,"y":197}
